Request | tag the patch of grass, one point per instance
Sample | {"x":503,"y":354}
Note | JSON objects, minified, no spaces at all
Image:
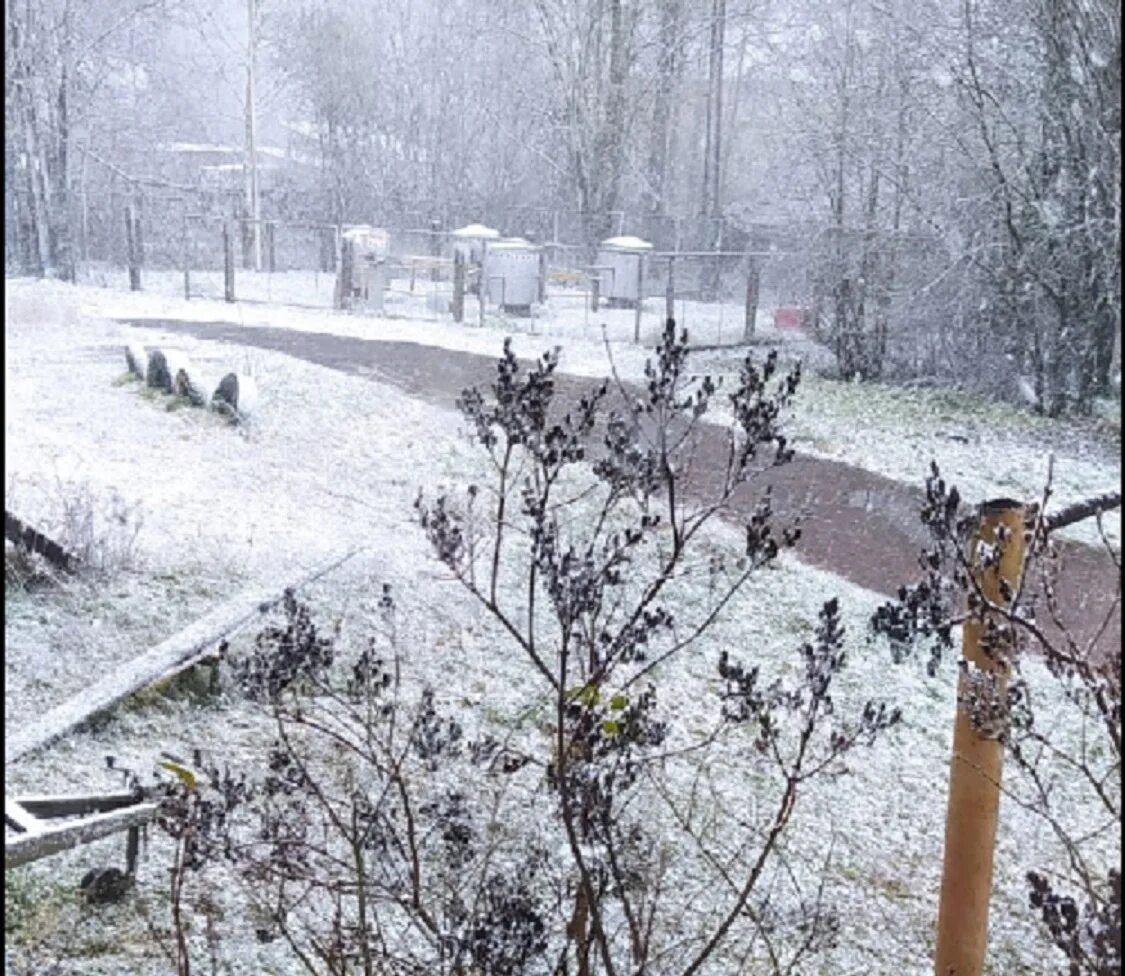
{"x":893,"y":888}
{"x":151,"y":393}
{"x":198,"y":684}
{"x":33,"y":906}
{"x":911,"y":409}
{"x":99,"y":943}
{"x":126,"y":378}
{"x":24,"y":572}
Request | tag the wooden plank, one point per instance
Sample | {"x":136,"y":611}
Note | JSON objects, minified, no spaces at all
{"x":33,"y":540}
{"x":168,"y":658}
{"x":51,"y":839}
{"x":20,"y":819}
{"x":47,"y":806}
{"x":564,"y":276}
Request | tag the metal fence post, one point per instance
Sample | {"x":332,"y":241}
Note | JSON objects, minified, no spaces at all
{"x":974,"y":776}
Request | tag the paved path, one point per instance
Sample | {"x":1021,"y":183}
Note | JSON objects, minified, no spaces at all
{"x":856,"y":524}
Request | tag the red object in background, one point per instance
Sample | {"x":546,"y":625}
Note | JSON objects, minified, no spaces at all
{"x":789,"y":317}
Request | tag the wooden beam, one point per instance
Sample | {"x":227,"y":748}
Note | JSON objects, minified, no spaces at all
{"x":22,"y":534}
{"x":20,"y":819}
{"x":168,"y":658}
{"x":33,"y":845}
{"x":1084,"y":510}
{"x":50,"y":805}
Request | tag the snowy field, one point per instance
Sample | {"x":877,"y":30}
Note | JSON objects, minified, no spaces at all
{"x":329,"y":461}
{"x":987,"y":449}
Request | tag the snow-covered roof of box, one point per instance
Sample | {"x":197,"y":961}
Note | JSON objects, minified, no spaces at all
{"x":476,"y":230}
{"x":513,"y":244}
{"x":627,"y":244}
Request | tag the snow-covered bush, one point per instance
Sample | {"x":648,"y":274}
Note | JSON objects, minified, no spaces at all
{"x":386,"y":834}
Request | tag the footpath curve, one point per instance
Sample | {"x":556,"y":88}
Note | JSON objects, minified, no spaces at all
{"x":855,"y":524}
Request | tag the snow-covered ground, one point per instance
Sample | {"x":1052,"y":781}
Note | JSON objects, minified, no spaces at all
{"x":987,"y":449}
{"x":328,"y":461}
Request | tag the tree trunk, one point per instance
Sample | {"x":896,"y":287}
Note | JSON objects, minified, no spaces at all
{"x":610,"y":165}
{"x":670,"y":15}
{"x":709,"y":203}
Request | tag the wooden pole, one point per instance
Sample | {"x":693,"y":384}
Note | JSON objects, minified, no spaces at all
{"x":481,"y":287}
{"x":458,"y":304}
{"x":131,"y":248}
{"x":974,"y":778}
{"x":138,"y":236}
{"x":228,"y":262}
{"x":670,"y":290}
{"x":271,"y":246}
{"x":753,"y":282}
{"x":344,"y":277}
{"x":187,"y":259}
{"x":435,"y":249}
{"x":640,"y":298}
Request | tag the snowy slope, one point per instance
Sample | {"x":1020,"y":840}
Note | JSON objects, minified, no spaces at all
{"x":330,"y":461}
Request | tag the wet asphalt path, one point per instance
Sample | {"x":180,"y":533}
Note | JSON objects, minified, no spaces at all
{"x":854,"y":523}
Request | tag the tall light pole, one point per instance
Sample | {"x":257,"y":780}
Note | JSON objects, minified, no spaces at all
{"x":253,"y":197}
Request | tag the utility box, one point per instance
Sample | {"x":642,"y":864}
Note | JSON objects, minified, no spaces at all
{"x":471,"y":242}
{"x":795,"y":317}
{"x":365,"y":269}
{"x":621,"y":261}
{"x":513,"y":274}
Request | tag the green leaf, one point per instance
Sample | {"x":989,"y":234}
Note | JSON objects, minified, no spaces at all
{"x":586,"y":694}
{"x":610,"y":727}
{"x":186,"y":776}
{"x":618,"y":702}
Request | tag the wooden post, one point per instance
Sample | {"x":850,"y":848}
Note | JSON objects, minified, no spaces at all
{"x":670,"y":290}
{"x":138,"y":236}
{"x":271,"y":250}
{"x":187,"y":258}
{"x":435,"y":249}
{"x":542,"y":275}
{"x":228,"y":262}
{"x":640,"y":298}
{"x":246,"y":233}
{"x":344,"y":277}
{"x":753,"y":283}
{"x":974,"y":778}
{"x":458,"y":304}
{"x":132,"y":249}
{"x":595,"y":289}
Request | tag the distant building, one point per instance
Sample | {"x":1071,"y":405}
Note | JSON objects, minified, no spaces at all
{"x":219,"y":171}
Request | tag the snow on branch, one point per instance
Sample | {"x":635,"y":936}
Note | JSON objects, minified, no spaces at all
{"x":1083,"y":510}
